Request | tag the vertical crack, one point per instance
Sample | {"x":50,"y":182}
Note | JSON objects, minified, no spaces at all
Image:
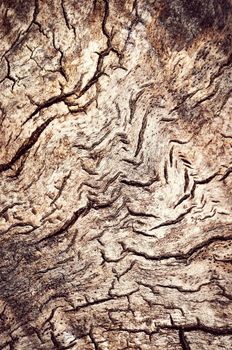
{"x":183,"y":340}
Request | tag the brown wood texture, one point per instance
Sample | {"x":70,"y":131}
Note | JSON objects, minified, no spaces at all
{"x":115,"y":174}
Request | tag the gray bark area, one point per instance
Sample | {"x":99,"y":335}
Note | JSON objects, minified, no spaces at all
{"x":115,"y":175}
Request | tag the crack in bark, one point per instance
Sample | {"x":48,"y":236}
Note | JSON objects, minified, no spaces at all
{"x":200,"y":327}
{"x":26,"y":146}
{"x":181,"y":200}
{"x":178,"y":256}
{"x":63,"y":184}
{"x":174,"y":221}
{"x":141,"y":133}
{"x":227,"y":173}
{"x":68,"y":224}
{"x":183,"y":341}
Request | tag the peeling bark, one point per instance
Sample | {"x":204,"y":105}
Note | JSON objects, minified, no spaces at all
{"x":115,"y":175}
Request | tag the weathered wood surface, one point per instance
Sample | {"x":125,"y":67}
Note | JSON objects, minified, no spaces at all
{"x":115,"y":175}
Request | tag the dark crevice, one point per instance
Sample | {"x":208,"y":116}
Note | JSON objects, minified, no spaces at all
{"x":183,"y":341}
{"x":227,"y":173}
{"x":199,"y":327}
{"x":135,"y":183}
{"x":177,"y":256}
{"x":141,"y":214}
{"x":68,"y":224}
{"x":175,"y":221}
{"x":182,"y":199}
{"x":141,"y":134}
{"x":26,"y":146}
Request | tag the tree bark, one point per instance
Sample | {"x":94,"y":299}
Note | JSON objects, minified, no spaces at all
{"x":115,"y":175}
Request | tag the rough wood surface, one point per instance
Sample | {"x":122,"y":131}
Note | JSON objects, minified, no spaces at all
{"x":115,"y":174}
